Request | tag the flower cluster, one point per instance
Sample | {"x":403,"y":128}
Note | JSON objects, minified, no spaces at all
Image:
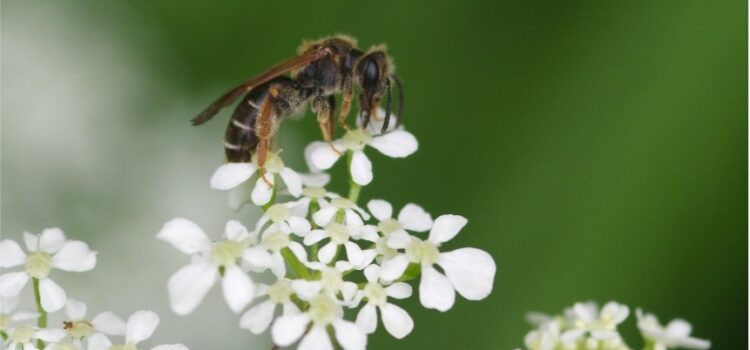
{"x":28,"y":330}
{"x":585,"y":326}
{"x":325,"y":253}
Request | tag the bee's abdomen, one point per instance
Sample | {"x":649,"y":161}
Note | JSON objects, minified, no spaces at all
{"x":240,"y":139}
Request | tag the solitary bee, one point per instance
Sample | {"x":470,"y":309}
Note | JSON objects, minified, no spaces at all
{"x":322,"y":69}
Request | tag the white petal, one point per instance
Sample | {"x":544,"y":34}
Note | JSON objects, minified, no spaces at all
{"x":603,"y":334}
{"x":262,"y":192}
{"x":325,"y":254}
{"x":109,"y":323}
{"x":235,"y":230}
{"x":380,"y":209}
{"x":315,"y":179}
{"x":679,"y":328}
{"x":352,"y":218}
{"x":372,"y":273}
{"x":361,"y":168}
{"x":349,"y":336}
{"x":278,"y":265}
{"x":398,"y":290}
{"x":348,"y":290}
{"x":398,"y":239}
{"x":324,"y":216}
{"x":23,"y":316}
{"x":11,"y":283}
{"x":11,"y":254}
{"x":75,"y":310}
{"x":188,"y":286}
{"x":98,"y":341}
{"x":446,"y":227}
{"x":571,"y":336}
{"x":74,"y":256}
{"x":315,"y":236}
{"x":320,"y":156}
{"x":230,"y":175}
{"x":393,"y":268}
{"x":31,"y":241}
{"x":316,"y":339}
{"x":50,"y":335}
{"x":170,"y":347}
{"x":694,"y":343}
{"x":353,"y":253}
{"x":53,"y":296}
{"x":184,"y":235}
{"x":290,"y":309}
{"x":240,"y":195}
{"x":299,"y":225}
{"x":238,"y":288}
{"x":141,"y":326}
{"x":288,"y":328}
{"x":367,"y":319}
{"x":414,"y":218}
{"x":366,"y":232}
{"x":258,"y":257}
{"x":258,"y":318}
{"x":51,"y":240}
{"x":298,"y":250}
{"x":395,"y":144}
{"x":306,"y":290}
{"x":396,"y":320}
{"x":368,"y":257}
{"x":470,"y":270}
{"x":435,"y":290}
{"x":292,"y":180}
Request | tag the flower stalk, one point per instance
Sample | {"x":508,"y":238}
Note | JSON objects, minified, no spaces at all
{"x":42,"y":320}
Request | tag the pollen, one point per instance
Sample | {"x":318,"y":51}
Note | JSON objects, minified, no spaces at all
{"x":356,"y":139}
{"x":276,"y":241}
{"x":388,"y":226}
{"x":422,"y":252}
{"x":323,"y":310}
{"x":277,"y":213}
{"x":226,"y":253}
{"x":280,"y":291}
{"x":22,"y":335}
{"x":375,"y":293}
{"x":314,"y":192}
{"x":339,"y":233}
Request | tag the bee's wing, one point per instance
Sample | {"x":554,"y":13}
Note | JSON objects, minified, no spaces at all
{"x":279,"y":69}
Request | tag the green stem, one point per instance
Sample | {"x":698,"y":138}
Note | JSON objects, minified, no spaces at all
{"x":297,"y":266}
{"x":42,"y":321}
{"x":354,"y":189}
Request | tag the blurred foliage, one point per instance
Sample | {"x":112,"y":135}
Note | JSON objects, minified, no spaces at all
{"x":598,"y":148}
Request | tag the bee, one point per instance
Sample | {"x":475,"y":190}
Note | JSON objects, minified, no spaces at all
{"x":321,"y":70}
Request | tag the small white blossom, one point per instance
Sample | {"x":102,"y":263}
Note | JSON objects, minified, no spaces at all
{"x":260,"y":316}
{"x":140,"y":326}
{"x":341,"y":235}
{"x":546,"y":337}
{"x":78,"y":326}
{"x":324,"y":310}
{"x":268,"y":253}
{"x":411,"y":217}
{"x":236,"y":175}
{"x":48,"y":250}
{"x":8,"y":315}
{"x":587,"y":321}
{"x":469,"y":271}
{"x":353,"y":215}
{"x":675,"y":335}
{"x":395,"y":144}
{"x":189,"y":285}
{"x":26,"y":336}
{"x":331,"y":282}
{"x":395,"y":319}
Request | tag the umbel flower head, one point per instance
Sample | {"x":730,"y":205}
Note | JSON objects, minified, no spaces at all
{"x":585,"y":326}
{"x":46,"y":251}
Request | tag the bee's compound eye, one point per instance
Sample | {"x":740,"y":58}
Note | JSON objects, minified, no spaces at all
{"x":369,"y":74}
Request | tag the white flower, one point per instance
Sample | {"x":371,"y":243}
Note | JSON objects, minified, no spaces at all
{"x":353,"y":215}
{"x":285,"y":215}
{"x":48,"y":250}
{"x":78,"y":326}
{"x":586,"y":319}
{"x":313,"y":190}
{"x":341,"y":235}
{"x":331,"y":282}
{"x":546,"y":337}
{"x":260,"y":316}
{"x":26,"y":336}
{"x":675,"y":335}
{"x":411,"y":217}
{"x":232,"y":175}
{"x":189,"y":285}
{"x":268,"y":254}
{"x":469,"y":271}
{"x":140,"y":326}
{"x":9,"y":317}
{"x":324,"y":310}
{"x":395,"y":144}
{"x":395,"y":319}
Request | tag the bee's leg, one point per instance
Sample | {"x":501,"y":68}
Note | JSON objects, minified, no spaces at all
{"x":387,"y":106}
{"x":346,"y":102}
{"x":324,"y":107}
{"x":400,"y":112}
{"x":265,"y":127}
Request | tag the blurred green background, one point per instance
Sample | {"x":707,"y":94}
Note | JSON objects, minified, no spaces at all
{"x":598,"y":148}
